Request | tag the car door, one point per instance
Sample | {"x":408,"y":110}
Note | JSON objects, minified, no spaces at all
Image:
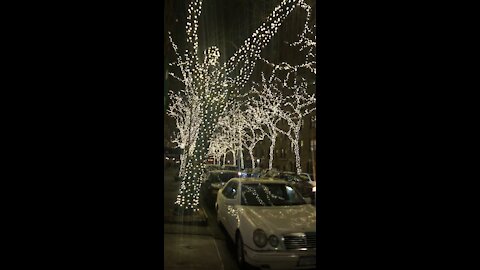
{"x":221,"y":197}
{"x":226,"y":201}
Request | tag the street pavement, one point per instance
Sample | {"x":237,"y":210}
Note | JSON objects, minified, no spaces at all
{"x":194,"y":246}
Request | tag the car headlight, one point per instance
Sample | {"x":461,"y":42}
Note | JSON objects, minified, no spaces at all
{"x":259,"y":238}
{"x":273,"y":240}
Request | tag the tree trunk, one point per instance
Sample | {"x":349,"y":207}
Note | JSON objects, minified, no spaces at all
{"x":251,"y":156}
{"x":242,"y":165}
{"x":297,"y":156}
{"x":272,"y":147}
{"x":234,"y":158}
{"x":183,"y":159}
{"x":298,"y":164}
{"x":189,"y":193}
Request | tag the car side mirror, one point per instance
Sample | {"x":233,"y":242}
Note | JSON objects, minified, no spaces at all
{"x":308,"y":200}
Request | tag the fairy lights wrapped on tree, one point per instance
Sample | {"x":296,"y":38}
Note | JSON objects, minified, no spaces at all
{"x":297,"y":106}
{"x":184,"y":108}
{"x":268,"y":102}
{"x":251,"y":121}
{"x":214,"y":83}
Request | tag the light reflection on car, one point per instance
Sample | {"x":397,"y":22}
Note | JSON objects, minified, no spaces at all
{"x":270,"y":223}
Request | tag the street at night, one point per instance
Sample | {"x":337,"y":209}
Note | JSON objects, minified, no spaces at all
{"x":194,"y":246}
{"x":190,"y":245}
{"x":240,"y":135}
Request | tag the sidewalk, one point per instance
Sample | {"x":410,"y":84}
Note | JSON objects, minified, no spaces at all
{"x":186,"y":245}
{"x":171,"y":188}
{"x":191,"y":252}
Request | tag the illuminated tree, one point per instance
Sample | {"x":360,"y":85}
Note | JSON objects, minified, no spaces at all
{"x":218,"y":147}
{"x":268,"y":101}
{"x":297,"y":106}
{"x":251,"y":121}
{"x":231,"y":127}
{"x":215,"y":83}
{"x":184,"y":108}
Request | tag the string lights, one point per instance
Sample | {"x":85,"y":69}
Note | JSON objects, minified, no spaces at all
{"x":268,"y":100}
{"x":213,"y":84}
{"x":297,"y":106}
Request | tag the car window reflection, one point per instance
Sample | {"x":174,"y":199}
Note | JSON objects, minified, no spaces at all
{"x":269,"y":195}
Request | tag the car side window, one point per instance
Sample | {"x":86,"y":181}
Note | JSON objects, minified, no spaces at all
{"x":230,"y":190}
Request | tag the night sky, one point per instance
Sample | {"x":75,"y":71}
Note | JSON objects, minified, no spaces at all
{"x":226,"y":24}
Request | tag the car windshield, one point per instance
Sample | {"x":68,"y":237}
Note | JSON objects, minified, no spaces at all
{"x":266,"y":194}
{"x":222,"y":177}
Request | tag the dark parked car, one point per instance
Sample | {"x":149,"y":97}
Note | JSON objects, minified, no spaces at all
{"x":230,"y":167}
{"x":211,"y":167}
{"x":299,"y":182}
{"x":248,"y":173}
{"x":214,"y":181}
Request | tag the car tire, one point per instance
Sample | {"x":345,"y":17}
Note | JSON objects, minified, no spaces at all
{"x":240,"y":253}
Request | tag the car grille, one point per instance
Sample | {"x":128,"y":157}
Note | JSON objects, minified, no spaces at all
{"x":300,"y":240}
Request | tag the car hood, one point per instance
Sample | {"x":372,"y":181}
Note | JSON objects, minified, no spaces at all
{"x":281,"y":219}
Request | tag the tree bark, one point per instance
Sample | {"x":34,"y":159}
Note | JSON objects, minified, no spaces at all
{"x":188,"y":197}
{"x":297,"y":157}
{"x":234,"y":158}
{"x":242,"y":165}
{"x":251,"y":156}
{"x":183,"y":159}
{"x":272,"y":148}
{"x":298,"y":164}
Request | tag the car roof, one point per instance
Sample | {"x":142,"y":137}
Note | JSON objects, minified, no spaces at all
{"x":259,"y":180}
{"x":223,"y":171}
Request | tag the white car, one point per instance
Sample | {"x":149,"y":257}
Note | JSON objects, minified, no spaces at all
{"x":270,"y":223}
